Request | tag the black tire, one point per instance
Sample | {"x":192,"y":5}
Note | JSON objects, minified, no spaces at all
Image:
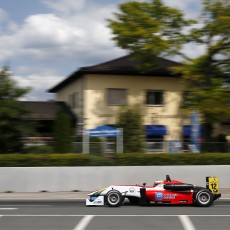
{"x":203,"y":198}
{"x":114,"y":198}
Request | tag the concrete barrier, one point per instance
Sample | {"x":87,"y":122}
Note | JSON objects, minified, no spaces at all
{"x":56,"y":179}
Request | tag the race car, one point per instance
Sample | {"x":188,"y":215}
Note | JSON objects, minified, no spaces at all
{"x":162,"y":192}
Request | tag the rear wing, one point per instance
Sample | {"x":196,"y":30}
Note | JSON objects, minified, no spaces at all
{"x":212,"y":183}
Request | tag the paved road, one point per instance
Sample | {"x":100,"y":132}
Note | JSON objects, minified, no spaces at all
{"x":72,"y":214}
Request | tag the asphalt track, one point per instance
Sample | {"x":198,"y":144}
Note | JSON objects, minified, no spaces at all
{"x":72,"y":214}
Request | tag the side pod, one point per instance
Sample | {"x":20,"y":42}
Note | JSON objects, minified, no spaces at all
{"x":143,"y":200}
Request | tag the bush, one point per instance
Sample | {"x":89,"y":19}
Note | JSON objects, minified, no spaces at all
{"x":130,"y":120}
{"x":71,"y":159}
{"x":39,"y":149}
{"x":62,"y":133}
{"x":174,"y":159}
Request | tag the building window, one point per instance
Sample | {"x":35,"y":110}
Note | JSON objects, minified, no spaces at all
{"x":117,"y":97}
{"x":155,"y":97}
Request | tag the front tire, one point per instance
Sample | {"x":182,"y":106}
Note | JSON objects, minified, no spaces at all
{"x":114,"y":198}
{"x":203,"y":198}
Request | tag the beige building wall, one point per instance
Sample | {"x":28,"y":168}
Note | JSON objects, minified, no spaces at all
{"x":97,"y":112}
{"x":92,"y":110}
{"x":66,"y":94}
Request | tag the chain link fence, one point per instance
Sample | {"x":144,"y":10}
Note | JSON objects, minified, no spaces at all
{"x":104,"y":148}
{"x":108,"y":148}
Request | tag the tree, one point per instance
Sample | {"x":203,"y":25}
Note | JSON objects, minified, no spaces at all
{"x":12,"y":125}
{"x":130,"y":119}
{"x":150,"y":29}
{"x":62,"y":133}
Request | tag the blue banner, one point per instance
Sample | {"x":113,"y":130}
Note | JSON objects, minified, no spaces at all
{"x":104,"y":131}
{"x":195,"y":135}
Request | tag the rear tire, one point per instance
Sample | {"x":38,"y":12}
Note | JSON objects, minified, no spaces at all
{"x":203,"y":198}
{"x":114,"y":198}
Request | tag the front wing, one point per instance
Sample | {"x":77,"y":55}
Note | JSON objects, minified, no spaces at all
{"x":95,"y":201}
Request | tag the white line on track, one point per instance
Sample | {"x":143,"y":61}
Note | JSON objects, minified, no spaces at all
{"x":83,"y":222}
{"x":31,"y":215}
{"x":222,"y":205}
{"x":45,"y":198}
{"x":25,"y":205}
{"x":8,"y":208}
{"x":186,"y":222}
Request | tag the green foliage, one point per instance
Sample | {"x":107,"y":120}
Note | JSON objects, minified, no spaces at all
{"x":207,"y":74}
{"x":207,"y":93}
{"x":39,"y":149}
{"x":12,"y":126}
{"x":174,"y":159}
{"x":45,"y":160}
{"x":149,"y":29}
{"x":62,"y":133}
{"x":130,"y":120}
{"x":39,"y":160}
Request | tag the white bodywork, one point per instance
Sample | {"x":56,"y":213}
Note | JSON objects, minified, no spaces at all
{"x":97,"y":197}
{"x":97,"y":201}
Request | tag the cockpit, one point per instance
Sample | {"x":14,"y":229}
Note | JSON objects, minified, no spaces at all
{"x":157,"y":182}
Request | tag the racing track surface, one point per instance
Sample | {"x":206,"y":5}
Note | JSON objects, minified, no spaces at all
{"x":72,"y":214}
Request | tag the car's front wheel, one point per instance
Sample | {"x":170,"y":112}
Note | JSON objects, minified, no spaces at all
{"x":114,"y":198}
{"x":204,"y":198}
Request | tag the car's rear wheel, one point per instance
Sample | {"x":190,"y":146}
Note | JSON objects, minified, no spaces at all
{"x":114,"y":198}
{"x":203,"y":198}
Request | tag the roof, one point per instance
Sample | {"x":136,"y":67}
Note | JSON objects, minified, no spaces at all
{"x":45,"y":110}
{"x":125,"y":65}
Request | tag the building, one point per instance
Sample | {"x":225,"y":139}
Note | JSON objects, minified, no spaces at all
{"x":96,"y":93}
{"x":41,"y":115}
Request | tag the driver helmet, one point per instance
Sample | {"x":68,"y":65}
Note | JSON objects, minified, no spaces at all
{"x":158,"y":182}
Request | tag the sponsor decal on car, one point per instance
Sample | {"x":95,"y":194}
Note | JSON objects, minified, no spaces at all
{"x":170,"y":196}
{"x":161,"y":196}
{"x":183,"y":201}
{"x":93,"y":198}
{"x":95,"y":201}
{"x":132,"y":190}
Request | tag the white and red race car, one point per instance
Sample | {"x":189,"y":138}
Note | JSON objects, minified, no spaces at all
{"x":162,"y":192}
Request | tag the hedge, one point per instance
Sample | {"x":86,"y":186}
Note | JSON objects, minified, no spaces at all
{"x":175,"y":159}
{"x":71,"y":159}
